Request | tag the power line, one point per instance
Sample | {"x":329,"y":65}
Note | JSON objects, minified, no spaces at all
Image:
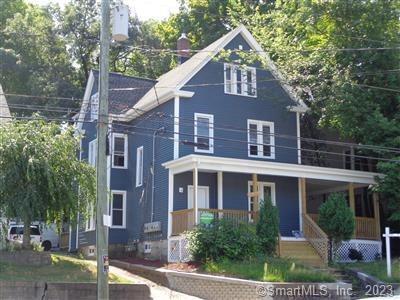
{"x":189,"y":122}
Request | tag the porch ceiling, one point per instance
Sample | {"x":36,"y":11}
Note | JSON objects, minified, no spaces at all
{"x":234,"y":165}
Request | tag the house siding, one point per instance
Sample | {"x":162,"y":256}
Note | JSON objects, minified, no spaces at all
{"x":233,"y":111}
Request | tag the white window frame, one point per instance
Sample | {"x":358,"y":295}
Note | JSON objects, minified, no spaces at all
{"x":210,"y":132}
{"x":244,"y":84}
{"x":260,"y":138}
{"x":92,"y":153}
{"x":123,"y":193}
{"x":94,"y":107}
{"x":125,"y":136}
{"x":139,"y":166}
{"x":261,"y":185}
{"x":91,"y":222}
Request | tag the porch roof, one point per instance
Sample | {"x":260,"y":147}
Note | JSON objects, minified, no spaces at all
{"x":248,"y":166}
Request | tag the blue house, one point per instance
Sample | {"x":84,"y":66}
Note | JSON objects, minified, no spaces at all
{"x":212,"y":139}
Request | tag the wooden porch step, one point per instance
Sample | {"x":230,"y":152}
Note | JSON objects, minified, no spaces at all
{"x":302,"y":251}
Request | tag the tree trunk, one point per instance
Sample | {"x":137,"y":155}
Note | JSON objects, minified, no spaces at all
{"x":26,"y":241}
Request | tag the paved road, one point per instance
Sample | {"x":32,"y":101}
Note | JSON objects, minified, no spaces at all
{"x":158,"y":292}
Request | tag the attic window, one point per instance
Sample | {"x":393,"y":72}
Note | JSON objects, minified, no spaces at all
{"x":94,"y":107}
{"x":240,"y":80}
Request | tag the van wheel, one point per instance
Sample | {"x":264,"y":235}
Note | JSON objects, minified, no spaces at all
{"x":46,"y":245}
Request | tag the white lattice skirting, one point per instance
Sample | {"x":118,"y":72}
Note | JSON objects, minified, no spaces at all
{"x":177,"y":249}
{"x":370,"y":250}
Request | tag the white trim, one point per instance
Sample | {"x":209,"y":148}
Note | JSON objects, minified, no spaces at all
{"x":249,"y":166}
{"x":190,"y":190}
{"x":261,"y":185}
{"x":125,"y":137}
{"x":123,"y":193}
{"x":233,"y":83}
{"x":92,"y":153}
{"x":86,"y":98}
{"x":300,"y":194}
{"x":292,"y":239}
{"x":260,"y":138}
{"x":176,"y":126}
{"x":69,"y":238}
{"x":90,"y":223}
{"x":149,"y":100}
{"x":220,"y":183}
{"x":210,"y":132}
{"x":170,"y":202}
{"x":139,"y":166}
{"x":298,"y":137}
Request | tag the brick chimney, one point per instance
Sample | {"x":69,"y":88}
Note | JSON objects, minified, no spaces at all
{"x":183,"y":47}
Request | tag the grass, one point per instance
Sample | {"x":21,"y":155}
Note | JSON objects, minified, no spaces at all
{"x":378,"y":269}
{"x":270,"y":270}
{"x":64,"y":268}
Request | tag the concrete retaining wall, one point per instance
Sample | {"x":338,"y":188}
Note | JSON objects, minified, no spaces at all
{"x":221,"y":288}
{"x":68,"y":291}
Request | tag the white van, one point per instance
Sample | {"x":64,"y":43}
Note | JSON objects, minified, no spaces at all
{"x":45,"y":235}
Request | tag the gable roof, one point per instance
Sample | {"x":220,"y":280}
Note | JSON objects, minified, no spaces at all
{"x":170,"y":84}
{"x":124,"y":92}
{"x":120,"y":97}
{"x":5,"y":114}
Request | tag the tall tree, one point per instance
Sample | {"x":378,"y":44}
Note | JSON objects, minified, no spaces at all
{"x":40,"y":174}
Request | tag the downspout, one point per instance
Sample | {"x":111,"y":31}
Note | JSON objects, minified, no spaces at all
{"x":153,"y":187}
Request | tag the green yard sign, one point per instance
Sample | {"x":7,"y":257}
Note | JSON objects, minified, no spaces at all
{"x":206,"y":218}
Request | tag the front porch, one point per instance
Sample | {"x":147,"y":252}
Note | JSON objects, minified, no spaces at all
{"x":205,"y":187}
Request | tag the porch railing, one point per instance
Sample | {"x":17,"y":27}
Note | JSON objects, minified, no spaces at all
{"x":183,"y":220}
{"x":365,"y":227}
{"x":317,"y":238}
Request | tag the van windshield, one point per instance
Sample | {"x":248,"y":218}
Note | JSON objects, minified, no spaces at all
{"x":20,"y":230}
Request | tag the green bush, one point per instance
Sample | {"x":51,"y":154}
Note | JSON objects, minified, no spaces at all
{"x":337,"y":220}
{"x":223,"y":239}
{"x":268,"y":227}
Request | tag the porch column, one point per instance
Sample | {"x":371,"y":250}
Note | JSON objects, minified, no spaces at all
{"x":220,"y":190}
{"x":375,"y":198}
{"x":195,"y":194}
{"x":170,"y":201}
{"x":303,"y":196}
{"x":352,"y":204}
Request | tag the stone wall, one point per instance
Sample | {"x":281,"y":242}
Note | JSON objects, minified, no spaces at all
{"x":225,"y":288}
{"x":26,"y":257}
{"x":69,"y":291}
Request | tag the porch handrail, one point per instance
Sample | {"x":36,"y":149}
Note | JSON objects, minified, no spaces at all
{"x":316,"y":237}
{"x":182,"y":220}
{"x":365,"y":227}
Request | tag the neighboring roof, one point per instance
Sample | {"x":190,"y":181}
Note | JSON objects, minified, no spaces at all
{"x":5,"y":114}
{"x":171,"y":82}
{"x":122,"y":100}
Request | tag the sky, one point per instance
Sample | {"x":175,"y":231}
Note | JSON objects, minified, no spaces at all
{"x":145,"y":9}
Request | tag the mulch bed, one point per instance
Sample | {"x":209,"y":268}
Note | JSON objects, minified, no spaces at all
{"x":182,"y":267}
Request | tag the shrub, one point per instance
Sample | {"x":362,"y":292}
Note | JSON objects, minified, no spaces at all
{"x":355,"y":255}
{"x":268,"y":227}
{"x":223,"y":239}
{"x":337,"y":220}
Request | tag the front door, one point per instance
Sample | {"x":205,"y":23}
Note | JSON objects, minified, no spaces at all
{"x":266,"y":191}
{"x":203,"y":200}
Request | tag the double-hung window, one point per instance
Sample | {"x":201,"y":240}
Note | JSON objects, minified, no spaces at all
{"x":139,"y":166}
{"x":118,"y":209}
{"x":261,"y":139}
{"x":92,"y":157}
{"x":240,"y":80}
{"x":120,"y":151}
{"x":94,"y":107}
{"x":204,"y":133}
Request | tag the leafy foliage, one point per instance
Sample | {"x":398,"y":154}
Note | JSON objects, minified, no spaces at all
{"x":40,"y":173}
{"x":267,"y":227}
{"x":336,"y":219}
{"x":223,"y":239}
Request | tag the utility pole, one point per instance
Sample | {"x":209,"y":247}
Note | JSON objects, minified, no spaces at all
{"x":102,"y":128}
